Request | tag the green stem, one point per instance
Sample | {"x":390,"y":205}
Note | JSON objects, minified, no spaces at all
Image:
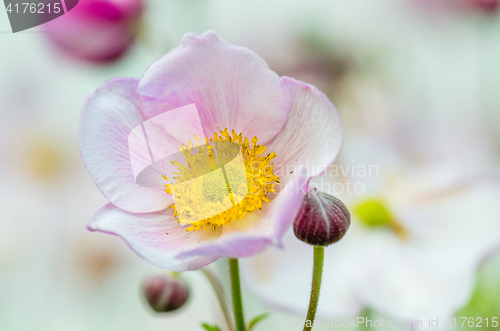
{"x":220,"y":296}
{"x":319,"y":253}
{"x":236,"y":289}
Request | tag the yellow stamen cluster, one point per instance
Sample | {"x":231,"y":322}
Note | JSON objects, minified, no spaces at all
{"x":199,"y":190}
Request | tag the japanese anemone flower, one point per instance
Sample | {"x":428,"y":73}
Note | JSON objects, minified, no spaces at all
{"x":238,"y":100}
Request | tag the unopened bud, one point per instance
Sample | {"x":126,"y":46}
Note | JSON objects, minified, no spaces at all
{"x":322,"y":219}
{"x":96,"y":31}
{"x":165,"y":292}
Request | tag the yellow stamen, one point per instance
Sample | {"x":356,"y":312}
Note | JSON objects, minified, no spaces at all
{"x":199,"y":190}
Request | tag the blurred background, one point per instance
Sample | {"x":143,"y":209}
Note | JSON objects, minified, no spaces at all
{"x":421,"y":77}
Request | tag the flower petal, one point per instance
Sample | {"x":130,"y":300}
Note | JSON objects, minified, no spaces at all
{"x":231,"y":87}
{"x":313,"y":134}
{"x":156,"y":237}
{"x":108,"y":116}
{"x":460,"y":227}
{"x":415,"y":283}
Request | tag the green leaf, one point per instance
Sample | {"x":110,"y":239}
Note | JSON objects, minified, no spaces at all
{"x":257,"y":320}
{"x":210,"y":327}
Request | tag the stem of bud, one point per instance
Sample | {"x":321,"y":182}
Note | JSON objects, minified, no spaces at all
{"x":319,"y":253}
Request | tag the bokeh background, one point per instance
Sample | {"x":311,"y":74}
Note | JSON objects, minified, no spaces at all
{"x":422,"y":76}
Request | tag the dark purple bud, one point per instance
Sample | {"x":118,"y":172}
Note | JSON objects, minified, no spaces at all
{"x":165,"y":292}
{"x":322,"y":219}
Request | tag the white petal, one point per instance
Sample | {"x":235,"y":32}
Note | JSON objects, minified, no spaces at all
{"x":108,"y":116}
{"x":313,"y":134}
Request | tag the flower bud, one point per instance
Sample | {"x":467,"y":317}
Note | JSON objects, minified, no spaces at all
{"x":165,"y":292}
{"x":322,"y":219}
{"x":97,"y":30}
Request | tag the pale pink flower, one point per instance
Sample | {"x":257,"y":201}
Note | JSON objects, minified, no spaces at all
{"x":97,"y":30}
{"x":232,"y":88}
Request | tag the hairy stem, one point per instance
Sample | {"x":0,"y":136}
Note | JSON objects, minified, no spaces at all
{"x":319,"y":253}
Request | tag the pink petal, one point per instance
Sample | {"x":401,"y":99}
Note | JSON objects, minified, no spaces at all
{"x":313,"y":134}
{"x":158,"y":140}
{"x":108,"y":116}
{"x":286,"y":206}
{"x":156,"y":237}
{"x":231,"y":86}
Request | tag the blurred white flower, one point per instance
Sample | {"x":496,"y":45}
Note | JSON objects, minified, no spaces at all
{"x":417,"y":236}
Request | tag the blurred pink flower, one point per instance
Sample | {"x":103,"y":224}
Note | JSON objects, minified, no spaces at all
{"x":97,"y":30}
{"x":232,"y":88}
{"x":488,"y":6}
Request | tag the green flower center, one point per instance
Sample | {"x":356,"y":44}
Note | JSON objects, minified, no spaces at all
{"x":373,"y":213}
